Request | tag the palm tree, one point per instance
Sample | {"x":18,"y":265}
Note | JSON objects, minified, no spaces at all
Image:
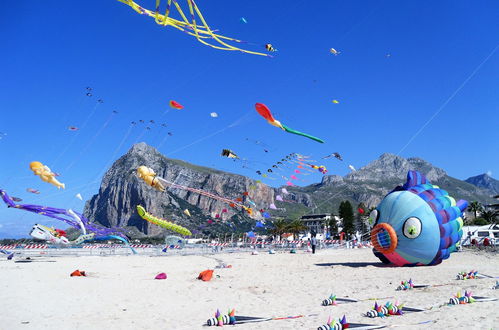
{"x":296,"y":227}
{"x":280,"y":227}
{"x":475,"y":207}
{"x":490,"y":216}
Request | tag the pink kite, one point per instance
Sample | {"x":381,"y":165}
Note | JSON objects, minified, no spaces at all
{"x":293,"y":177}
{"x":297,"y":171}
{"x":289,"y":183}
{"x":161,"y":276}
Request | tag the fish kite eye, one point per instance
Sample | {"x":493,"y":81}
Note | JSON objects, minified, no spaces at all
{"x":412,"y":227}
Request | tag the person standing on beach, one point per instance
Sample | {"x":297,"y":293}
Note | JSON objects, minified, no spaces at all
{"x":313,"y":242}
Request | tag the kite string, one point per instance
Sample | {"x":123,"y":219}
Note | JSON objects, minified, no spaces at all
{"x":440,"y":109}
{"x":77,"y":134}
{"x":99,"y":175}
{"x":235,"y":123}
{"x":450,"y":98}
{"x":101,"y":129}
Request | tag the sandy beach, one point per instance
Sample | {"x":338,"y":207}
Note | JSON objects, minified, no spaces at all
{"x":121,"y":293}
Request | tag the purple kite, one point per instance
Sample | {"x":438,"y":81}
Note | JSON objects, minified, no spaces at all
{"x":64,"y":215}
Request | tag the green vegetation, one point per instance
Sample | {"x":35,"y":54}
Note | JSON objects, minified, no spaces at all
{"x":475,"y":207}
{"x":345,"y":212}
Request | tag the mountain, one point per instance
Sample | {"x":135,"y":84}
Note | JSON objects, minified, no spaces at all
{"x":372,"y":182}
{"x":485,"y":181}
{"x":121,"y":191}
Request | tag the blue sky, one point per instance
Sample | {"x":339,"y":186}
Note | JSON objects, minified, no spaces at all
{"x":52,"y":52}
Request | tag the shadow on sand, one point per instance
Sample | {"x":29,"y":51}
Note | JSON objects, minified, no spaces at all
{"x":353,"y":264}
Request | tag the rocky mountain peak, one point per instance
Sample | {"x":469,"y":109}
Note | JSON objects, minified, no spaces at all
{"x":485,"y":181}
{"x":121,"y":191}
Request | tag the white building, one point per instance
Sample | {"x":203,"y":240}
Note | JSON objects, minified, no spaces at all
{"x":319,"y":223}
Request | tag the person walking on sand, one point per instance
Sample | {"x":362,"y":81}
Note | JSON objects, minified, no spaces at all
{"x":313,"y":242}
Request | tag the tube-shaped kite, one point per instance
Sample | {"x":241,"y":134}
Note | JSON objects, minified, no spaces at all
{"x":264,"y":111}
{"x":161,"y":222}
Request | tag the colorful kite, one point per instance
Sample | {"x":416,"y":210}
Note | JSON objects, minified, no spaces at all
{"x":150,"y":177}
{"x":175,"y":104}
{"x":334,"y":51}
{"x":336,"y":101}
{"x":321,"y":168}
{"x":72,"y":218}
{"x":417,"y":224}
{"x":161,"y":222}
{"x":270,"y":48}
{"x":159,"y":183}
{"x":33,"y":191}
{"x":214,"y":114}
{"x":264,"y":111}
{"x":229,"y":154}
{"x":335,"y":155}
{"x":197,"y":27}
{"x":45,"y":174}
{"x":73,"y":128}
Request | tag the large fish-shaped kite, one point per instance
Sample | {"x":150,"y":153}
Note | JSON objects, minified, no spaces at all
{"x":417,"y":224}
{"x":264,"y":111}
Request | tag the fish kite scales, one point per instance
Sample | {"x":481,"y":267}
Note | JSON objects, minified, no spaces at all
{"x":193,"y":27}
{"x":417,"y":224}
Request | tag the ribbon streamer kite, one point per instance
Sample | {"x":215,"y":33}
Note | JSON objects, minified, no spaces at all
{"x":72,"y":218}
{"x":201,"y":31}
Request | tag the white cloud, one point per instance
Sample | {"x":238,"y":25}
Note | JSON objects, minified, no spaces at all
{"x":489,"y":173}
{"x":1,"y":225}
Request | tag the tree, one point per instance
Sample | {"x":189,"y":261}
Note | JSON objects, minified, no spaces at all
{"x":346,"y":214}
{"x":479,"y":222}
{"x":333,"y":227}
{"x":475,"y":207}
{"x":296,"y":227}
{"x":490,"y":216}
{"x":361,"y":223}
{"x":280,"y":227}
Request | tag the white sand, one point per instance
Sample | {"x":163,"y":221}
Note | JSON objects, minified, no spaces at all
{"x":122,"y":294}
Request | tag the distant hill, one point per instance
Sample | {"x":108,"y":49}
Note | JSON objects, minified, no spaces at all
{"x":121,"y":191}
{"x":485,"y":181}
{"x":372,"y":182}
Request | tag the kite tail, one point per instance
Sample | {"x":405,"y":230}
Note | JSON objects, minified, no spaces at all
{"x":289,"y":130}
